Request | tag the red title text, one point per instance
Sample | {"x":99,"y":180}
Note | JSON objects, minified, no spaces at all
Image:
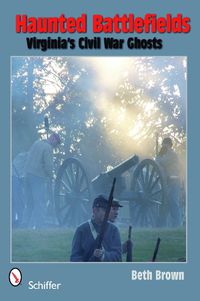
{"x":126,"y":23}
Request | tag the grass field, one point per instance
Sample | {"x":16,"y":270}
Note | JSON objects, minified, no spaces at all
{"x":54,"y":245}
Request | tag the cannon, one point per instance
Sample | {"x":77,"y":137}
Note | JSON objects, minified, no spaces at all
{"x":101,"y":183}
{"x":140,"y":183}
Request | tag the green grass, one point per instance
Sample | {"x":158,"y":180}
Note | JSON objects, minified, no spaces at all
{"x":172,"y":246}
{"x":54,"y":245}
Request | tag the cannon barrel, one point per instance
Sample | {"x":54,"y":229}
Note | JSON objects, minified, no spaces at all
{"x":101,"y":183}
{"x":122,"y":167}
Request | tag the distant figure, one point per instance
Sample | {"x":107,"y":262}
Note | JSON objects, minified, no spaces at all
{"x":112,"y":218}
{"x":18,"y":202}
{"x":114,"y":211}
{"x":39,"y":170}
{"x":86,"y":233}
{"x":169,"y":162}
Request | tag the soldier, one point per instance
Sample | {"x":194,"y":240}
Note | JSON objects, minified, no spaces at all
{"x":112,"y":218}
{"x":114,"y":211}
{"x":169,"y":162}
{"x":18,"y":189}
{"x":39,"y":169}
{"x":86,"y":233}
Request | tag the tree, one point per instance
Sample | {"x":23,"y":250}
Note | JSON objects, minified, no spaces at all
{"x":103,"y":114}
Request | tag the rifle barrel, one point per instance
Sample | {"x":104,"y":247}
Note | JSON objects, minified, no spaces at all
{"x":129,"y":232}
{"x":105,"y":220}
{"x":129,"y":246}
{"x":156,"y":249}
{"x":46,"y":125}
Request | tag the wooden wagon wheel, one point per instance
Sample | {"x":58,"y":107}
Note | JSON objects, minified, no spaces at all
{"x":72,"y":194}
{"x":148,"y":207}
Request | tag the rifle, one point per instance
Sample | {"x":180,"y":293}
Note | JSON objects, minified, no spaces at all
{"x":46,"y":125}
{"x":99,"y":239}
{"x":156,"y":144}
{"x":129,"y":246}
{"x":156,"y":250}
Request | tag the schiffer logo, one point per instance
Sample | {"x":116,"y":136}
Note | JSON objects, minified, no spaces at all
{"x":15,"y":277}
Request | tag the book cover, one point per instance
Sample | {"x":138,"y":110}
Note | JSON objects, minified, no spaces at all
{"x":99,"y":163}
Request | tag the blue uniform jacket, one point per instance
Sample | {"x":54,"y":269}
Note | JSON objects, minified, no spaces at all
{"x":83,"y":241}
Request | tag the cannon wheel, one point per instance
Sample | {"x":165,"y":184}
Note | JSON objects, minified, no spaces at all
{"x":147,"y":209}
{"x":72,"y":193}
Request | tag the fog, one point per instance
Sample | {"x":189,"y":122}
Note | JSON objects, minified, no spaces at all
{"x":105,"y":109}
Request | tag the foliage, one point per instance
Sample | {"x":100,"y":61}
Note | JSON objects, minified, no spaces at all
{"x":104,"y":108}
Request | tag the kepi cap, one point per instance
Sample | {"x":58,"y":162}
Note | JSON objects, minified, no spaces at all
{"x":100,"y":202}
{"x":115,"y":203}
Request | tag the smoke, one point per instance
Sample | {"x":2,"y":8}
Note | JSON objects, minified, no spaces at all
{"x":125,"y":127}
{"x":112,"y":108}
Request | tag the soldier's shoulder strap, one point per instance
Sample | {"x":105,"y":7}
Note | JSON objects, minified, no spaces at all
{"x":92,"y":229}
